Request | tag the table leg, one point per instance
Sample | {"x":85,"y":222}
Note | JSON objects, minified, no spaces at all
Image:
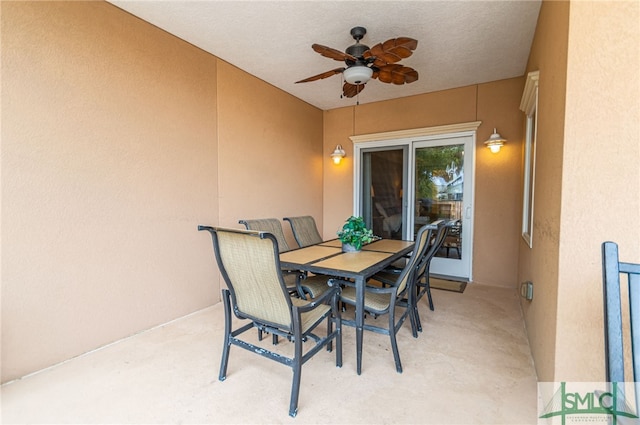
{"x":360,"y":282}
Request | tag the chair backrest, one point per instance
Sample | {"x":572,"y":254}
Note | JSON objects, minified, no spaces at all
{"x":270,"y":225}
{"x":407,"y":275}
{"x":250,"y":265}
{"x":612,"y":269}
{"x":304,"y":230}
{"x":439,"y":230}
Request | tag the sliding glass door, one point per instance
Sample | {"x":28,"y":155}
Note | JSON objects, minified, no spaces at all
{"x":443,"y":182}
{"x":383,"y":186}
{"x":404,"y":184}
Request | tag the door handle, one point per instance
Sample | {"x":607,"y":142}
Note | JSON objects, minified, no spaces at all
{"x":467,"y":213}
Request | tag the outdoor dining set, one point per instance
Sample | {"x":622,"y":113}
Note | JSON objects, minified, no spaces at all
{"x":287,"y":293}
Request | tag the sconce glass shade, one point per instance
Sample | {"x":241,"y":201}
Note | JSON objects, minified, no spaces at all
{"x":495,"y":142}
{"x":357,"y":74}
{"x":338,"y":154}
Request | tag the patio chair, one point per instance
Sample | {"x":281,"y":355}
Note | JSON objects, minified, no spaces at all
{"x":384,"y":300}
{"x":296,"y":282}
{"x":304,"y":230}
{"x":612,"y":268}
{"x":271,"y":225}
{"x":390,"y":275}
{"x":423,"y":285}
{"x":250,"y":265}
{"x":452,"y":240}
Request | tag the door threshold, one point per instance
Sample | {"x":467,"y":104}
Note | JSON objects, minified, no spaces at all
{"x":445,"y":277}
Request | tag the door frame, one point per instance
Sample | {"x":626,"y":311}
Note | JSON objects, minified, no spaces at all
{"x":408,"y":138}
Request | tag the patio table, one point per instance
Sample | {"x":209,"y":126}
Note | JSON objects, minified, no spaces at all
{"x":327,"y":258}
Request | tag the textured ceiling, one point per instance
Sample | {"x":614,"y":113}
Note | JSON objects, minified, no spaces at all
{"x":459,"y":42}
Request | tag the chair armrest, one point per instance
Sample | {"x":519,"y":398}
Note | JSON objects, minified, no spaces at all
{"x":325,"y":298}
{"x":387,"y":277}
{"x":371,"y":289}
{"x":292,"y":271}
{"x":337,"y":283}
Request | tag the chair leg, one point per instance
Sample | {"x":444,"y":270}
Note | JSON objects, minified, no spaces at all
{"x":297,"y":372}
{"x":339,"y":341}
{"x":413,"y":317}
{"x":417,"y":319}
{"x":274,"y":337}
{"x":418,"y":296}
{"x":412,"y":301}
{"x":329,"y":330}
{"x":336,"y":317}
{"x":428,"y":288}
{"x":394,"y":342}
{"x":227,"y":335}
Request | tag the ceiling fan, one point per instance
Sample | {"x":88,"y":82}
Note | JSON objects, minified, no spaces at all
{"x":364,"y":63}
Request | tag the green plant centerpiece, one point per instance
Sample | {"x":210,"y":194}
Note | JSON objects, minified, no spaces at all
{"x":354,"y":234}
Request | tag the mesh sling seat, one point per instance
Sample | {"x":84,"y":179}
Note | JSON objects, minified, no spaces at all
{"x":304,"y":230}
{"x":384,"y":300}
{"x":612,"y":269}
{"x":250,"y":265}
{"x":296,"y":282}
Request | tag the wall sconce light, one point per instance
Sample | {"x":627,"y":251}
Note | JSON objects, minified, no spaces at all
{"x":495,"y":142}
{"x":338,"y":154}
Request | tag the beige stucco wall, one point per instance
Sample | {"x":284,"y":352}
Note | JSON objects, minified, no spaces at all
{"x":539,"y":264}
{"x":108,"y":136}
{"x":270,"y":151}
{"x":497,"y":180}
{"x":587,"y":178}
{"x":600,"y":184}
{"x":118,"y":139}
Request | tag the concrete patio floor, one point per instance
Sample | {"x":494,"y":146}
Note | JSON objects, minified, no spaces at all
{"x":471,"y":365}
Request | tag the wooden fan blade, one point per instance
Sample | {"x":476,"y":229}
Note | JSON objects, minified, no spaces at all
{"x":350,"y":90}
{"x":321,"y":76}
{"x":396,"y":74}
{"x":391,"y":51}
{"x":328,"y":52}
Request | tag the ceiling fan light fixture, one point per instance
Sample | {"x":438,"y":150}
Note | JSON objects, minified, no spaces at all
{"x":357,"y":74}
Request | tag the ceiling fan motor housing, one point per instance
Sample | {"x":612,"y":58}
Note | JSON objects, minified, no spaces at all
{"x":357,"y":50}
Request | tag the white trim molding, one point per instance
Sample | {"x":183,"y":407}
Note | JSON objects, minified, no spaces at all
{"x":528,"y":102}
{"x":529,"y":105}
{"x":417,"y":132}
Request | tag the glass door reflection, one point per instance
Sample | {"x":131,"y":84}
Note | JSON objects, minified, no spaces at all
{"x":439,"y":188}
{"x":384,"y":180}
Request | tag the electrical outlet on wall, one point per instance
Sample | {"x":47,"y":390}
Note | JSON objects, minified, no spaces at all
{"x":526,"y":290}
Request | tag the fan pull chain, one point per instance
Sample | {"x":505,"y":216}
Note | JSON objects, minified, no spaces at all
{"x":354,"y":121}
